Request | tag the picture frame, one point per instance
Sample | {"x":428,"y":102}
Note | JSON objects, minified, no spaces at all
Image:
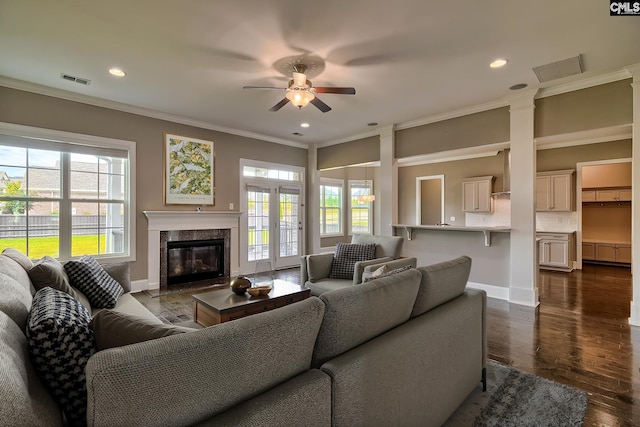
{"x":189,"y":170}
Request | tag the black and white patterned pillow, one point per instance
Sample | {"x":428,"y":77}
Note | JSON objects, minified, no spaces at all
{"x":86,"y":274}
{"x":60,"y":344}
{"x":346,"y":256}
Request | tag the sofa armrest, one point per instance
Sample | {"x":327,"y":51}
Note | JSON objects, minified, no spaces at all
{"x":200,"y":374}
{"x":359,"y":267}
{"x":319,"y":266}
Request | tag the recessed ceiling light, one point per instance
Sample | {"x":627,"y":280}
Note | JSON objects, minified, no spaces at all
{"x":304,"y":125}
{"x":117,"y":72}
{"x":498,"y":63}
{"x":518,"y":86}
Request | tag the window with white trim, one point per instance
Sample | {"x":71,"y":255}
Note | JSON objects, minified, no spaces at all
{"x":65,"y":195}
{"x":360,"y":207}
{"x":331,"y":201}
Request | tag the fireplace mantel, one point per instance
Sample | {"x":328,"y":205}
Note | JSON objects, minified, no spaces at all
{"x":188,"y":220}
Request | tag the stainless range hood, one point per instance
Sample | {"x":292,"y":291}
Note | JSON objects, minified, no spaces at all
{"x":506,"y":176}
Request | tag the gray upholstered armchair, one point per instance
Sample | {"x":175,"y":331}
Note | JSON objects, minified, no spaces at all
{"x":315,"y":269}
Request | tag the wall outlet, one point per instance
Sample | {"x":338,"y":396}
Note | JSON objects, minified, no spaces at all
{"x":452,"y":219}
{"x":231,"y":206}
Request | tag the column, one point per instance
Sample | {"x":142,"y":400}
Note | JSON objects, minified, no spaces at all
{"x":523,"y":288}
{"x":634,"y":319}
{"x":313,"y":202}
{"x":387,"y":204}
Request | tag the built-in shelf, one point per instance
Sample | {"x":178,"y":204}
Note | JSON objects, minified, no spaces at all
{"x":486,"y":231}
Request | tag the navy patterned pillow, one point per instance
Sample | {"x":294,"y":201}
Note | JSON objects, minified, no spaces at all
{"x":86,"y":274}
{"x":346,"y":256}
{"x":60,"y":344}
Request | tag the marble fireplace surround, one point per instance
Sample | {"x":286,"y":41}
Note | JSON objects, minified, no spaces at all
{"x":158,"y":221}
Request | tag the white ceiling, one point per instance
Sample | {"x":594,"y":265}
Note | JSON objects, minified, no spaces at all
{"x":407,"y":59}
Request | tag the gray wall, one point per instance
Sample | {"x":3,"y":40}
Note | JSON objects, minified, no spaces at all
{"x":31,"y":109}
{"x":349,"y":153}
{"x":486,"y":127}
{"x":592,"y":108}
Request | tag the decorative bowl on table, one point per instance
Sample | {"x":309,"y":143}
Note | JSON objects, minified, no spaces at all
{"x":239,"y":285}
{"x":259,"y":291}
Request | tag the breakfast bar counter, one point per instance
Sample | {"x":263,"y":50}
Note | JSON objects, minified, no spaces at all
{"x":486,"y":231}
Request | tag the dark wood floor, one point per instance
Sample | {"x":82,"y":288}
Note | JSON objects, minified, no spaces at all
{"x":579,"y":336}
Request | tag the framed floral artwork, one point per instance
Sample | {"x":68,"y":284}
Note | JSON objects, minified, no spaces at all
{"x":189,"y":171}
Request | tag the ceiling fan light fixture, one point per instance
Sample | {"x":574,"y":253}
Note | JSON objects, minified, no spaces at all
{"x":299,"y":98}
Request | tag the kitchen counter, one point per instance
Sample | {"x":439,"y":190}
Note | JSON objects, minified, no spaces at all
{"x":409,"y":228}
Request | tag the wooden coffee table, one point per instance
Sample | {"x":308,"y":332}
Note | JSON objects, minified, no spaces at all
{"x":222,"y":305}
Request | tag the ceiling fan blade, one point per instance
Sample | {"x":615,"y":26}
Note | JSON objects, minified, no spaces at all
{"x":320,"y":105}
{"x":339,"y":90}
{"x":279,"y":105}
{"x":263,"y":87}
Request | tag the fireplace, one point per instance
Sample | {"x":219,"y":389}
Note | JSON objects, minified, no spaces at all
{"x":194,"y":260}
{"x":175,"y":226}
{"x":188,"y":256}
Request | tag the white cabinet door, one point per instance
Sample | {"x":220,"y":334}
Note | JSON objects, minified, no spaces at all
{"x":560,"y":186}
{"x":476,"y":194}
{"x":554,"y":191}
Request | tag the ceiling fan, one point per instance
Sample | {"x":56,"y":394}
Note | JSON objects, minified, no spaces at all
{"x":301,"y":92}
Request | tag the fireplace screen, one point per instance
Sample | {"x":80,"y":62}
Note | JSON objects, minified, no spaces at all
{"x":194,"y":260}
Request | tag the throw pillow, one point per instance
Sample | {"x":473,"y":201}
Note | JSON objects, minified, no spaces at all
{"x":18,"y":257}
{"x":90,"y":278}
{"x":60,"y":344}
{"x":115,"y":329}
{"x":346,"y":256}
{"x":384,"y":272}
{"x":377,"y":273}
{"x":49,"y":272}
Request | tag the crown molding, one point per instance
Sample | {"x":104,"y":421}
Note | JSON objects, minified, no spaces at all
{"x":454,"y":155}
{"x":591,"y":136}
{"x":119,"y":106}
{"x":585,"y":83}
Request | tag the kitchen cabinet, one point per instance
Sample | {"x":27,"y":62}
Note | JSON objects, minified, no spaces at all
{"x":556,"y":251}
{"x":607,"y":252}
{"x":476,"y":194}
{"x":607,"y":195}
{"x":554,"y":191}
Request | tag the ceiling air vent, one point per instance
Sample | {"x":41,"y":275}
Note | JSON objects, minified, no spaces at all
{"x":79,"y":80}
{"x":557,"y":70}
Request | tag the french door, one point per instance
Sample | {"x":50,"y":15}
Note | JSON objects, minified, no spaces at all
{"x":272,"y":224}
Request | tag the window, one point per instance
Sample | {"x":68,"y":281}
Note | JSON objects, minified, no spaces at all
{"x":360,"y":207}
{"x":330,"y":207}
{"x":65,"y":195}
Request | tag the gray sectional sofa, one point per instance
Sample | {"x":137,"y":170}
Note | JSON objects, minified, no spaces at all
{"x":401,"y":350}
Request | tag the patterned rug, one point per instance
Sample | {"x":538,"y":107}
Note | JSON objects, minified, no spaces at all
{"x":516,"y":398}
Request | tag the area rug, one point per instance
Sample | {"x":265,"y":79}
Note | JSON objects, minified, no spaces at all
{"x":516,"y":398}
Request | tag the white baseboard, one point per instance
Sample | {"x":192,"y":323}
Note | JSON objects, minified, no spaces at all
{"x":139,"y":285}
{"x":497,"y":292}
{"x":635,"y":314}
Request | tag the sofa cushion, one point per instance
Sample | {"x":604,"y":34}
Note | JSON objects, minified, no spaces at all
{"x":356,"y":314}
{"x":18,"y":257}
{"x":15,"y":300}
{"x":49,"y":272}
{"x":440,"y":283}
{"x":60,"y":343}
{"x":25,"y":400}
{"x":9,"y":267}
{"x":115,"y":329}
{"x":121,"y":273}
{"x":346,"y":256}
{"x":99,"y":287}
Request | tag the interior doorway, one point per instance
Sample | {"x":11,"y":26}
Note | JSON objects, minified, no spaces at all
{"x":604,"y":205}
{"x":430,"y":200}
